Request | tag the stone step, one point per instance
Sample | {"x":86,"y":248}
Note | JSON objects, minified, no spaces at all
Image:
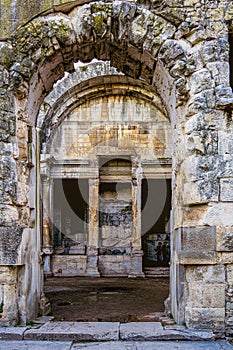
{"x":151,"y":331}
{"x":114,"y":345}
{"x":157,"y":271}
{"x":78,"y":331}
{"x":109,"y":331}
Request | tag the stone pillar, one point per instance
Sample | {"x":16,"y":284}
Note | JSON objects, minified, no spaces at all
{"x":47,"y":244}
{"x":93,"y":229}
{"x":136,"y":254}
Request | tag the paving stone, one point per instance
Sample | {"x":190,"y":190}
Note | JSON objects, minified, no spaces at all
{"x":34,"y":345}
{"x":84,"y":331}
{"x":140,"y":330}
{"x":159,"y":345}
{"x":154,"y":331}
{"x":12,"y":333}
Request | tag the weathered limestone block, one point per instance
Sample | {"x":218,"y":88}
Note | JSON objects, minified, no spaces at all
{"x":200,"y":81}
{"x":229,"y":270}
{"x":219,"y":72}
{"x":66,"y":265}
{"x":203,"y":121}
{"x":197,"y":245}
{"x":219,"y":214}
{"x":22,"y":193}
{"x":224,"y":237}
{"x":10,"y":240}
{"x":201,"y":191}
{"x":214,"y":50}
{"x":205,"y":287}
{"x":202,"y":142}
{"x":205,"y":318}
{"x":224,"y":96}
{"x":23,"y":150}
{"x":9,"y":315}
{"x":8,"y":275}
{"x":208,"y":295}
{"x":225,"y":142}
{"x":8,"y":179}
{"x":204,"y":100}
{"x":225,"y":168}
{"x":205,"y":274}
{"x":226,"y":190}
{"x":114,"y":265}
{"x":8,"y":215}
{"x":200,"y":167}
{"x":225,"y":257}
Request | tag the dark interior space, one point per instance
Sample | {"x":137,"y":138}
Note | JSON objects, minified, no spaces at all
{"x":231,"y":57}
{"x":156,"y":206}
{"x":70,"y":208}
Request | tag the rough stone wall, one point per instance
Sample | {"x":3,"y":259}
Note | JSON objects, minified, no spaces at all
{"x":187,"y":60}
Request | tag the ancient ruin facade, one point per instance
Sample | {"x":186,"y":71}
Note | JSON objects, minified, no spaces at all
{"x":116,"y":142}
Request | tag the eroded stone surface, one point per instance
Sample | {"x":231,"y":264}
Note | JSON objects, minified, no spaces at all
{"x":37,"y":345}
{"x":101,"y":331}
{"x":154,"y":331}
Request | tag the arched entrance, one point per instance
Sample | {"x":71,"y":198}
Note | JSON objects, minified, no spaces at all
{"x":181,"y":69}
{"x":106,"y":144}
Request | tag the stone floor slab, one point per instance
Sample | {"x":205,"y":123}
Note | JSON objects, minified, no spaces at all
{"x":34,"y":345}
{"x":154,"y":331}
{"x":12,"y":333}
{"x":157,"y":345}
{"x":79,"y":331}
{"x":140,"y":330}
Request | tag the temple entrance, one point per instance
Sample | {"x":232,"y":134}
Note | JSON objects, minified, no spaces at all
{"x":105,"y":173}
{"x":70,"y":216}
{"x":156,"y":207}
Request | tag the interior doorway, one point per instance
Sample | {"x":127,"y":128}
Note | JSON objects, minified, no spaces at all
{"x":156,"y":207}
{"x":70,"y":216}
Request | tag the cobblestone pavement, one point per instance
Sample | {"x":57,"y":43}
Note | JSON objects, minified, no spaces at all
{"x":118,"y":345}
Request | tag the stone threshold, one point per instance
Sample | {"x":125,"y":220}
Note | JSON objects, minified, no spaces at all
{"x":105,"y":331}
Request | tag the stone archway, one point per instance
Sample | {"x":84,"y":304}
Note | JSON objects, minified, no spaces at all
{"x":118,"y":117}
{"x":183,"y":70}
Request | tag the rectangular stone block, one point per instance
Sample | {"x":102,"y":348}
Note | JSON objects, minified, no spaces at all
{"x":205,"y":318}
{"x":12,"y":333}
{"x":199,"y":238}
{"x":206,"y":295}
{"x":151,"y":331}
{"x":69,"y":265}
{"x":224,"y":238}
{"x":218,"y":214}
{"x":225,"y":142}
{"x":202,"y":142}
{"x":205,"y":274}
{"x":197,"y":258}
{"x":225,"y":257}
{"x":226,"y":190}
{"x":8,"y":275}
{"x":201,"y":191}
{"x":80,"y":331}
{"x":35,"y":345}
{"x":114,"y":265}
{"x":229,"y":270}
{"x":140,"y":330}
